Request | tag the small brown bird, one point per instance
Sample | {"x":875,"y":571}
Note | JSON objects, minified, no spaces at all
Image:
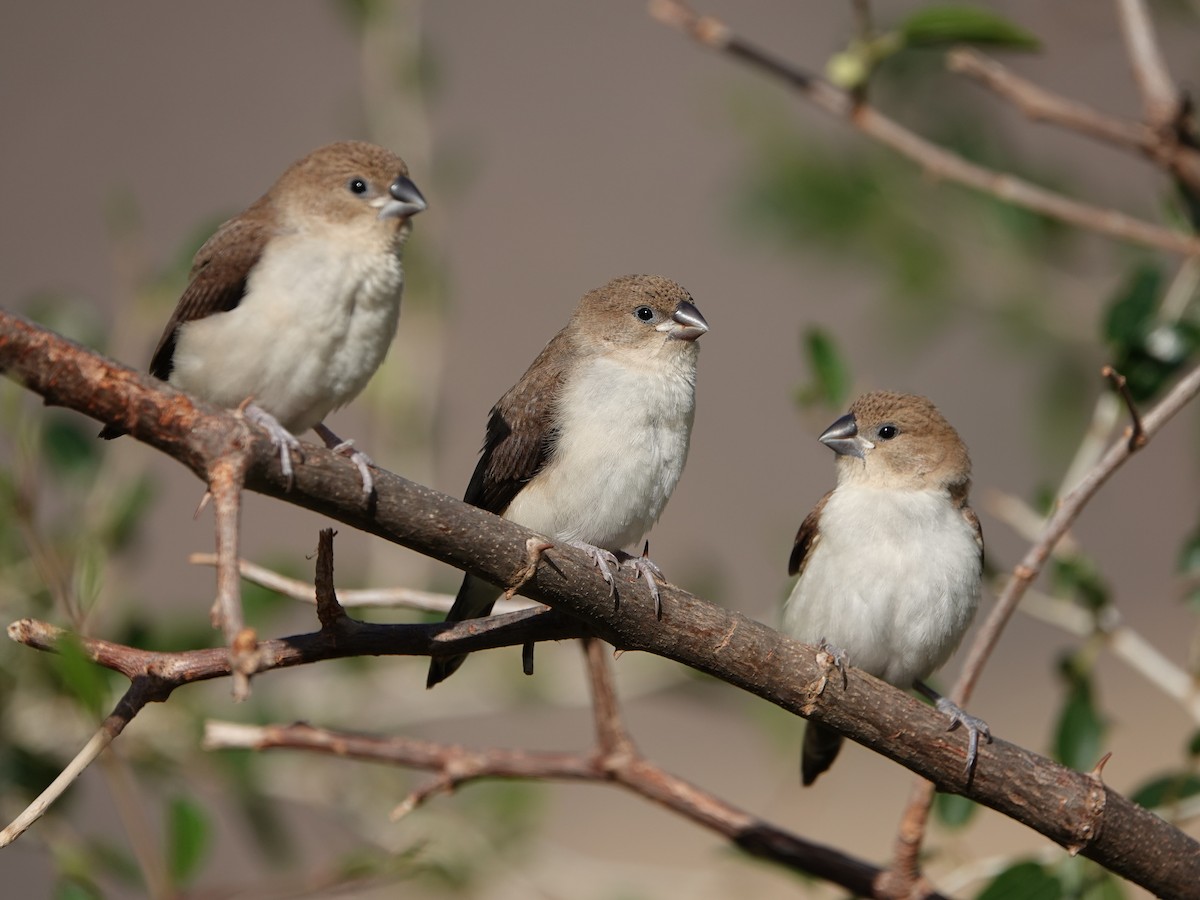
{"x":587,"y":447}
{"x":891,"y":560}
{"x":293,"y":303}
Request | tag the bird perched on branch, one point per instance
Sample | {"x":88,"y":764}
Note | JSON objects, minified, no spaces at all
{"x":588,"y":445}
{"x":891,"y":560}
{"x":293,"y":303}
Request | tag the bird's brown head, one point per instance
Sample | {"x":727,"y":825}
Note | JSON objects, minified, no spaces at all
{"x":898,"y":441}
{"x":641,"y":313}
{"x":348,"y":183}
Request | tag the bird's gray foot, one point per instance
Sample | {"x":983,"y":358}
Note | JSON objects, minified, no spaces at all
{"x":362,"y":462}
{"x":646,"y":568}
{"x":603,"y":560}
{"x":285,"y":442}
{"x":837,"y":659}
{"x":976,"y":728}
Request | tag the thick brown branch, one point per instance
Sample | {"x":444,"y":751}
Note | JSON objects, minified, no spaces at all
{"x":1068,"y":807}
{"x":935,"y":160}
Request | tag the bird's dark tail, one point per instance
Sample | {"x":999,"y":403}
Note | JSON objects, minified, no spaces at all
{"x":821,"y":746}
{"x":108,"y":432}
{"x":475,"y":599}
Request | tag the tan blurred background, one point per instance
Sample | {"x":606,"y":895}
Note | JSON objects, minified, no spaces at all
{"x":563,"y":143}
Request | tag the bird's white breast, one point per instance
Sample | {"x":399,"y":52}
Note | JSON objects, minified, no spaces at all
{"x":623,"y":431}
{"x":894,"y":581}
{"x":319,"y":314}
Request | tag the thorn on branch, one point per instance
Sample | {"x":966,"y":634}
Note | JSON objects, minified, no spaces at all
{"x":439,"y":784}
{"x":1137,"y":434}
{"x":1097,"y":772}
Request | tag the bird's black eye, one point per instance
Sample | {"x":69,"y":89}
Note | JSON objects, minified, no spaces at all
{"x":887,"y":432}
{"x":357,"y":185}
{"x":645,"y":313}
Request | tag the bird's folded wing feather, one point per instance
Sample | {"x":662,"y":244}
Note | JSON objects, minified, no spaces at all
{"x":520,"y":433}
{"x":216,"y":284}
{"x":807,"y":537}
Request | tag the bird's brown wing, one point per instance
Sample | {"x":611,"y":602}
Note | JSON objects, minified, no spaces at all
{"x":806,"y":537}
{"x":520,"y":433}
{"x":216,"y":284}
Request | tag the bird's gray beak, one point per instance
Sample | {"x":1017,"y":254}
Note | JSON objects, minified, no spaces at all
{"x":406,"y":200}
{"x":689,"y":324}
{"x":842,"y":438}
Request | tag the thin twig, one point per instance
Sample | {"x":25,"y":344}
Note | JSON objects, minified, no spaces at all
{"x":937,"y":161}
{"x":1158,"y":141}
{"x":1070,"y":808}
{"x":144,"y":838}
{"x":611,"y":737}
{"x":1160,"y":97}
{"x":1044,"y":105}
{"x":455,"y":766}
{"x":155,"y":676}
{"x":1023,"y":519}
{"x":1067,"y":512}
{"x":1125,"y":643}
{"x":140,"y":693}
{"x":382,"y":598}
{"x":225,"y":484}
{"x":916,"y":815}
{"x":1137,"y":433}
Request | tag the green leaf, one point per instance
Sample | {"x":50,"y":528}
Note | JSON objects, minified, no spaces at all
{"x":1194,"y":745}
{"x":69,"y":448}
{"x":1146,"y":351}
{"x":27,"y":772}
{"x":1023,"y":881}
{"x":831,"y":377}
{"x":268,"y":828}
{"x":1078,"y":579}
{"x":75,"y":889}
{"x":110,"y":858}
{"x":1103,"y":886}
{"x":1132,"y":309}
{"x":188,"y":836}
{"x":954,"y":810}
{"x":1189,"y":554}
{"x":938,"y":26}
{"x":125,"y":512}
{"x":1167,"y":789}
{"x":80,"y":676}
{"x":1080,"y":728}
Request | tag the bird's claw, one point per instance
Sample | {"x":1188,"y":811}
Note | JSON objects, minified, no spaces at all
{"x":835,"y":658}
{"x":646,"y":568}
{"x":361,"y":461}
{"x":974,"y":725}
{"x":346,"y":448}
{"x":285,"y":442}
{"x":603,"y":559}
